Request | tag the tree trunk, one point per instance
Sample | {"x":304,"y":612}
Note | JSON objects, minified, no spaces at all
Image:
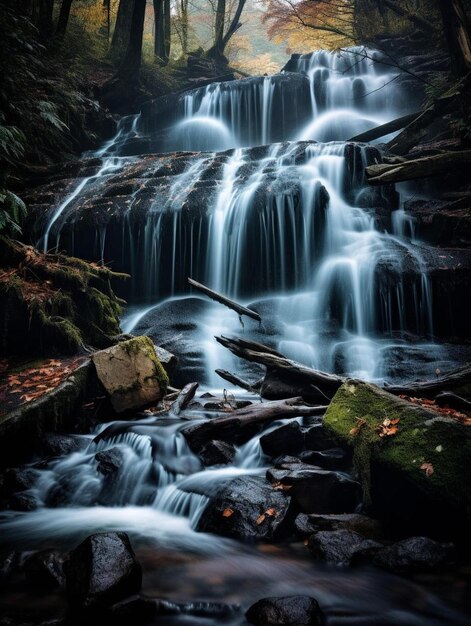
{"x":221,"y":38}
{"x":219,"y":26}
{"x":167,"y":31}
{"x":131,"y":63}
{"x":45,"y":26}
{"x":416,"y":20}
{"x":162,"y":30}
{"x":457,"y":33}
{"x":63,"y":18}
{"x":122,"y":29}
{"x":184,"y":25}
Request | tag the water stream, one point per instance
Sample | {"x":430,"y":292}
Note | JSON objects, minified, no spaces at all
{"x":290,"y":227}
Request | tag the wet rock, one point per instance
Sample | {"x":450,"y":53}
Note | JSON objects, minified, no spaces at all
{"x":331,"y":459}
{"x":55,"y":444}
{"x":286,"y":439}
{"x":288,"y":610}
{"x":318,"y":438}
{"x":338,"y":547}
{"x":43,"y":570}
{"x":248,"y":508}
{"x":23,"y":501}
{"x":318,"y":491}
{"x":210,"y":610}
{"x":133,"y":610}
{"x":306,"y":525}
{"x":109,"y":462}
{"x":414,"y":555}
{"x":169,"y":361}
{"x":101,"y":571}
{"x":217,"y":453}
{"x":9,"y":566}
{"x":131,"y":374}
{"x":19,"y":479}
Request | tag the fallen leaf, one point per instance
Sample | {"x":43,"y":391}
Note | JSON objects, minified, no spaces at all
{"x":356,"y":429}
{"x":227,"y":512}
{"x":260,"y":519}
{"x":428,"y":469}
{"x":271,"y":512}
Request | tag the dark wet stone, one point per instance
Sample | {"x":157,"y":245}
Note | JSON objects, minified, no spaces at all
{"x":133,"y":610}
{"x":316,"y":490}
{"x":43,"y":570}
{"x":55,"y":444}
{"x":9,"y":566}
{"x":211,"y":610}
{"x":248,"y":508}
{"x":109,"y":462}
{"x":286,"y":611}
{"x":19,"y":479}
{"x":217,"y":453}
{"x":338,"y":547}
{"x":101,"y":571}
{"x":306,"y":525}
{"x":414,"y":555}
{"x":286,"y":439}
{"x":23,"y":502}
{"x":316,"y":437}
{"x":331,"y":459}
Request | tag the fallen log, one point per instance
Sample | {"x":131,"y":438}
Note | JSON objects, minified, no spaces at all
{"x":386,"y":129}
{"x":457,"y":382}
{"x":238,"y":382}
{"x":383,"y":174}
{"x":241,"y":425}
{"x":314,"y":382}
{"x":231,"y":304}
{"x":184,"y":398}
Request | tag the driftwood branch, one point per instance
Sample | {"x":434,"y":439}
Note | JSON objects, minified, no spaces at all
{"x":184,"y":398}
{"x":452,"y":382}
{"x":382,"y":173}
{"x":386,"y":129}
{"x":241,"y":425}
{"x":231,"y":304}
{"x":238,"y":382}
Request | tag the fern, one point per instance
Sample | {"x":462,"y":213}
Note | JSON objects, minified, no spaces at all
{"x":12,"y":212}
{"x":49,"y":113}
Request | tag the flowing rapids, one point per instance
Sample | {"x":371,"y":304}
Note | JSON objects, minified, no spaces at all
{"x":270,"y":207}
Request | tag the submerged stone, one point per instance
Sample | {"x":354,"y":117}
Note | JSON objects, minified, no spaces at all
{"x":288,"y":610}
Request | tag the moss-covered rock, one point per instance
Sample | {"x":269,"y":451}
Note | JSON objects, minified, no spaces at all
{"x":418,"y":475}
{"x":50,"y":303}
{"x":131,"y":373}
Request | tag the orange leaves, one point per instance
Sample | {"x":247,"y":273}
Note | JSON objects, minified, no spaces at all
{"x":388,"y":428}
{"x":356,"y":429}
{"x":281,"y":487}
{"x":32,"y":383}
{"x":271,"y":512}
{"x":442,"y":410}
{"x":428,"y":469}
{"x":227,"y":512}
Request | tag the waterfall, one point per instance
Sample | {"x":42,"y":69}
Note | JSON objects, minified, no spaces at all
{"x":273,"y":207}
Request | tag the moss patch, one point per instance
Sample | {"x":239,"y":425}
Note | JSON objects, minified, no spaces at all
{"x":422,"y":437}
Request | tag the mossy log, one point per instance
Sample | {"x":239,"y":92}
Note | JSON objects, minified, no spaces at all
{"x":419,"y":476}
{"x":51,"y":303}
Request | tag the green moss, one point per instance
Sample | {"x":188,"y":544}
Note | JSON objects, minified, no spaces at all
{"x":146,"y":345}
{"x":422,"y":437}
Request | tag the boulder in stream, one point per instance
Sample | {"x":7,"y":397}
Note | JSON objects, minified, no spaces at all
{"x":288,"y":610}
{"x":338,"y":547}
{"x":307,"y":525}
{"x":248,"y":508}
{"x":101,"y":571}
{"x":131,"y":374}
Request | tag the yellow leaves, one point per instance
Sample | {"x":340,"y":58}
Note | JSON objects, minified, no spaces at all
{"x":227,"y":512}
{"x":428,"y":469}
{"x":356,"y":429}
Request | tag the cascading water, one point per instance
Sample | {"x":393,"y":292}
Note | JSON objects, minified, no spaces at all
{"x":293,"y":226}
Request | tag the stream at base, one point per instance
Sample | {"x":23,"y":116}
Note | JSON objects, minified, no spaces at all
{"x":291,"y":229}
{"x":157,"y":496}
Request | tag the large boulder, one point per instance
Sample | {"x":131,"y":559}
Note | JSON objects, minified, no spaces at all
{"x":101,"y":571}
{"x":419,"y":476}
{"x":286,"y":439}
{"x":131,"y":374}
{"x":248,"y":508}
{"x":316,"y":490}
{"x":286,"y":611}
{"x":338,"y":547}
{"x":307,"y":525}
